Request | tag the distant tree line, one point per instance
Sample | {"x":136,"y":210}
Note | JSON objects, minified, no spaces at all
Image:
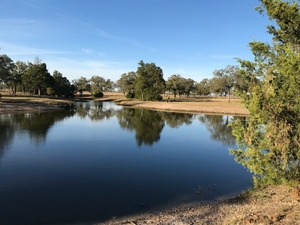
{"x":34,"y":78}
{"x":146,"y":83}
{"x":96,"y":85}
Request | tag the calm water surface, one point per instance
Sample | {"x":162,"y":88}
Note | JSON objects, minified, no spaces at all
{"x":103,"y":160}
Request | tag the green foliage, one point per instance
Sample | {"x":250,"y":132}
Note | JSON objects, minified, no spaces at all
{"x":149,"y":83}
{"x":19,"y":70}
{"x":130,"y":95}
{"x":62,"y":86}
{"x":97,"y":84}
{"x":109,"y":85}
{"x":175,"y":84}
{"x":225,"y":79}
{"x":6,"y":68}
{"x":202,"y":88}
{"x":269,"y":144}
{"x":37,"y":78}
{"x":97,"y":94}
{"x":81,"y":84}
{"x":126,"y":83}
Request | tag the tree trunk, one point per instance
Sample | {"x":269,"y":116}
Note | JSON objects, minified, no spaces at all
{"x":228,"y":97}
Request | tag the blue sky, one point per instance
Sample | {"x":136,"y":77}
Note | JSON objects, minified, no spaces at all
{"x":109,"y":37}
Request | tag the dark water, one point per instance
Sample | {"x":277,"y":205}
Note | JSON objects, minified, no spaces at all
{"x":103,"y":160}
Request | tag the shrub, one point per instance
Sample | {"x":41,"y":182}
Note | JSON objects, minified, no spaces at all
{"x":159,"y":98}
{"x":130,"y":95}
{"x":97,"y":94}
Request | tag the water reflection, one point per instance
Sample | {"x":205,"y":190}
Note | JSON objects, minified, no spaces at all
{"x":6,"y":133}
{"x":146,"y":124}
{"x":218,"y":128}
{"x":94,"y":110}
{"x":176,"y":120}
{"x":35,"y":125}
{"x":149,"y":124}
{"x":84,"y":166}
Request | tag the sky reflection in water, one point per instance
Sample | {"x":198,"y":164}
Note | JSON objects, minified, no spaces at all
{"x":104,"y":160}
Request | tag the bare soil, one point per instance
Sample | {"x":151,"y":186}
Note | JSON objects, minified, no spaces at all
{"x":207,"y":105}
{"x":30,"y":104}
{"x":270,"y":205}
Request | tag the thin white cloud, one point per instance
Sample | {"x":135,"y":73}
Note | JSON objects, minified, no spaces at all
{"x":22,"y":27}
{"x":102,"y":54}
{"x":73,"y":69}
{"x":87,"y":51}
{"x":18,"y":50}
{"x":195,"y":74}
{"x":30,"y":4}
{"x":105,"y":34}
{"x":220,"y":56}
{"x":90,"y":52}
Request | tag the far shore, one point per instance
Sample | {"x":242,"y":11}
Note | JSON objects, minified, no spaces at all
{"x":197,"y":105}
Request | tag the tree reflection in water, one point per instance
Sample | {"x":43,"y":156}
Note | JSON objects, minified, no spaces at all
{"x":146,"y":124}
{"x":176,"y":120}
{"x":218,"y":128}
{"x":36,"y":125}
{"x":94,"y":110}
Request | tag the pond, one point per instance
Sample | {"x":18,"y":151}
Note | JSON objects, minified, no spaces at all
{"x":102,"y":161}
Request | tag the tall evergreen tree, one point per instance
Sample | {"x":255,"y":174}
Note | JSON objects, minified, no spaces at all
{"x":6,"y":69}
{"x":149,"y":83}
{"x":270,"y":142}
{"x":37,"y":77}
{"x":62,"y":86}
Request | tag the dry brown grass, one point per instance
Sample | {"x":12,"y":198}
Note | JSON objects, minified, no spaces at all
{"x":24,"y":103}
{"x":208,"y":105}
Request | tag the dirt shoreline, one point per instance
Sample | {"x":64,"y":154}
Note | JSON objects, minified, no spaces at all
{"x":216,"y":106}
{"x":270,"y":205}
{"x":23,"y":104}
{"x":213,"y":106}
